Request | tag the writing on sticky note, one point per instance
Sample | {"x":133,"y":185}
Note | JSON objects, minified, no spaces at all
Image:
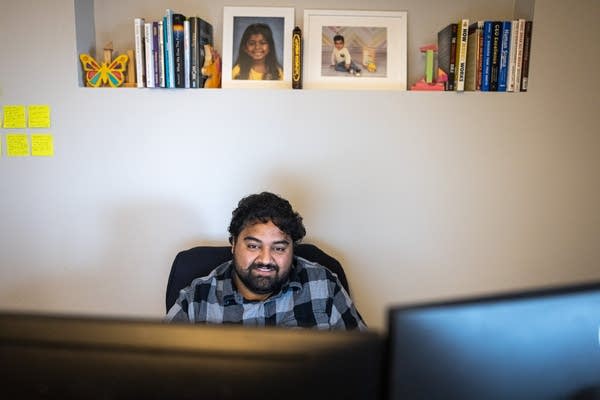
{"x":17,"y":145}
{"x":42,"y":145}
{"x":39,"y":116}
{"x":14,"y":116}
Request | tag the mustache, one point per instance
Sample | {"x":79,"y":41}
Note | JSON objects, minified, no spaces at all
{"x":271,"y":266}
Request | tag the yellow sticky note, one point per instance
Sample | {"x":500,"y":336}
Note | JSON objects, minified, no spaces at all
{"x":14,"y":117}
{"x":17,"y":145}
{"x":39,"y":116}
{"x":42,"y":145}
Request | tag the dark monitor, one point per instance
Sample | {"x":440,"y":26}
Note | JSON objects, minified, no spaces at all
{"x":542,"y":344}
{"x":62,"y":357}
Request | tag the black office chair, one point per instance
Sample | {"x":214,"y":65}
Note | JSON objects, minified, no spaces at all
{"x":199,"y":261}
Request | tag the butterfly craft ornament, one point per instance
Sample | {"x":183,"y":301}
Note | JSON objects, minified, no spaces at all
{"x":97,"y":75}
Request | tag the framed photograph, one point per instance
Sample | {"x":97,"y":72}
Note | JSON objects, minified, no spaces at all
{"x":257,"y":47}
{"x":355,"y":49}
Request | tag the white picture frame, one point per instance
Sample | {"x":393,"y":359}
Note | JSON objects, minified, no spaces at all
{"x":280,"y":20}
{"x":378,"y":37}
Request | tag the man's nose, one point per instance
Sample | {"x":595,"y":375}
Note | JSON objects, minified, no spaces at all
{"x":264,"y":256}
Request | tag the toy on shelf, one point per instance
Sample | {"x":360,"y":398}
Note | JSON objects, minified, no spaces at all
{"x":212,"y":67}
{"x":108,"y":73}
{"x":427,"y":82}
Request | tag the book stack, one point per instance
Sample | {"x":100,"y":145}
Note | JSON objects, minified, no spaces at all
{"x":170,"y":53}
{"x":487,"y":56}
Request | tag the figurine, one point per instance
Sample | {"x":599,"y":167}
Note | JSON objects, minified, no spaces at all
{"x":212,"y":67}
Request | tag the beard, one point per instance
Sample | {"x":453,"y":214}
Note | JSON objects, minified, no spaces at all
{"x":261,"y":284}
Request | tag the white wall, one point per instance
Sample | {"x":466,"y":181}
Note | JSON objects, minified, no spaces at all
{"x":420,"y":195}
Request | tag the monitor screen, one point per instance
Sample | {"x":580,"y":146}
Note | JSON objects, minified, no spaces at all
{"x":65,"y":357}
{"x":540,"y":344}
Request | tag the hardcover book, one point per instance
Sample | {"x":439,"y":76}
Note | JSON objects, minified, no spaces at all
{"x":169,"y":49}
{"x":186,"y":53}
{"x":140,"y":58}
{"x":178,"y":51}
{"x":495,"y":55}
{"x":512,"y":57}
{"x":504,"y":56}
{"x":201,"y":33}
{"x":519,"y":54}
{"x":161,"y":54}
{"x":461,"y":54}
{"x":447,"y":54}
{"x":486,"y":59}
{"x":474,"y":53}
{"x":149,"y":45}
{"x":526,"y":56}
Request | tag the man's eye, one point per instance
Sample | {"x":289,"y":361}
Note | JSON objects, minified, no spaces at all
{"x":252,"y":246}
{"x":280,"y":249}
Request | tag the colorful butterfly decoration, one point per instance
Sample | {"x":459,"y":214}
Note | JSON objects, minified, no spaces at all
{"x":97,"y":75}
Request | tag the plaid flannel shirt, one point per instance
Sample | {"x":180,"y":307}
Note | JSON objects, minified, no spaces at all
{"x":313,"y":297}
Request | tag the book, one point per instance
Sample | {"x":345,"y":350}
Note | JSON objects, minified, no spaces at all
{"x":486,"y":58}
{"x":205,"y":36}
{"x":186,"y":53}
{"x":526,"y":56}
{"x":161,"y":54}
{"x":504,"y":55}
{"x":169,"y":51}
{"x":474,"y":52}
{"x":149,"y":44}
{"x":519,"y":54}
{"x":178,"y":51}
{"x":155,"y":51}
{"x":140,"y":59}
{"x":461,"y":54}
{"x":512,"y":56}
{"x":495,"y":54}
{"x":447,"y":54}
{"x":194,"y":53}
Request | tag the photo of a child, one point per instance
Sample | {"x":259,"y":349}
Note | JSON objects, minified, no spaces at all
{"x":351,"y":51}
{"x":259,"y":48}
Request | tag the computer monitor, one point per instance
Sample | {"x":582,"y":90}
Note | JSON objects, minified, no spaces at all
{"x":66,"y":357}
{"x":541,"y":344}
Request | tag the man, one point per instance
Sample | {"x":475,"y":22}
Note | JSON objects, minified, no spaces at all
{"x":264,"y":283}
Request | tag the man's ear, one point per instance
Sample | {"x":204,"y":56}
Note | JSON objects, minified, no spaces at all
{"x":232,"y":241}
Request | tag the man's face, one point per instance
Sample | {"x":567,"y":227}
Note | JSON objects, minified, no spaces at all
{"x":262,"y":257}
{"x":339,"y":44}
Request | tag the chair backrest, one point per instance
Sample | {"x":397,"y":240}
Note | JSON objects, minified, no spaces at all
{"x":199,"y":261}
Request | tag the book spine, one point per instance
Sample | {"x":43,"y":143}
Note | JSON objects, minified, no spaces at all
{"x":461,"y":54}
{"x":526,"y":56}
{"x":519,"y":54}
{"x":504,"y":56}
{"x":512,"y":56}
{"x":140,"y":59}
{"x":486,"y":62}
{"x":473,"y":56}
{"x":495,"y":55}
{"x":169,"y":51}
{"x":186,"y":53}
{"x":479,"y":56}
{"x":149,"y":58}
{"x":452,"y":69}
{"x":178,"y":48}
{"x":205,"y":36}
{"x":161,"y":54}
{"x":194,"y":71}
{"x":155,"y":51}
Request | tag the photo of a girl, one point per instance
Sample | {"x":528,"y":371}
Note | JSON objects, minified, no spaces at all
{"x":257,"y":55}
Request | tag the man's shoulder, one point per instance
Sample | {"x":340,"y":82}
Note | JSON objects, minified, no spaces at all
{"x":312,"y":271}
{"x":222,"y":272}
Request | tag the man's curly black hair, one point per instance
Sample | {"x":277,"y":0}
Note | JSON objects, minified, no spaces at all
{"x":265,"y":207}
